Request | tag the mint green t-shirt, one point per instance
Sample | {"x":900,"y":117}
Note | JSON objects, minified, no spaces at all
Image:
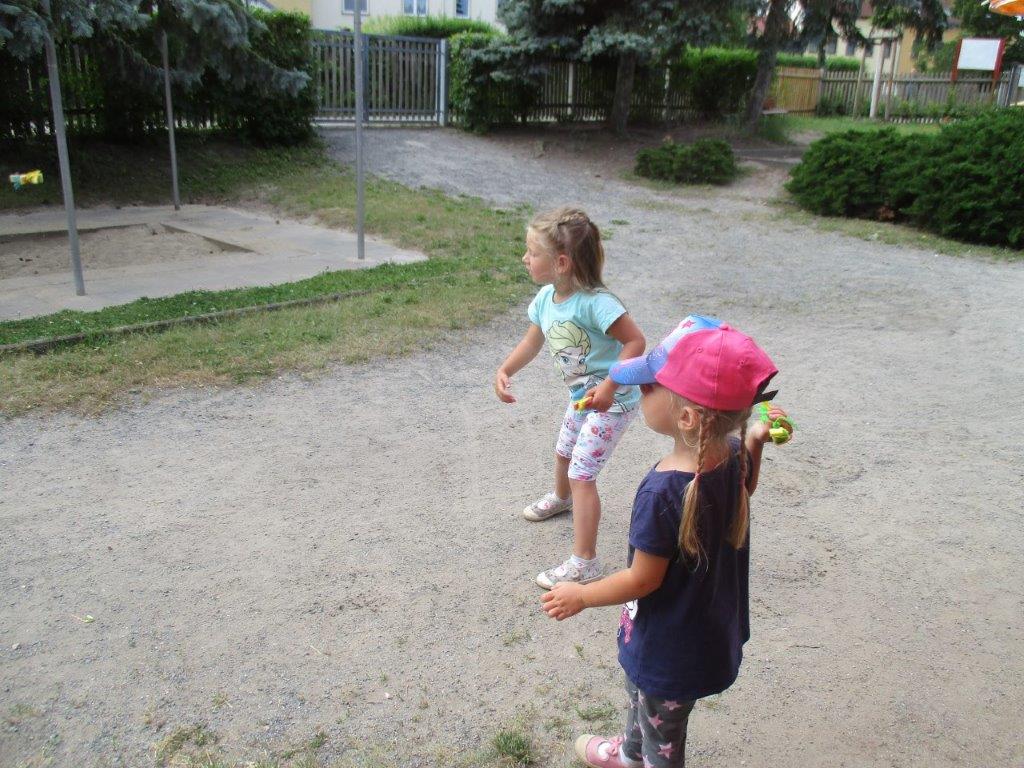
{"x":576,"y":334}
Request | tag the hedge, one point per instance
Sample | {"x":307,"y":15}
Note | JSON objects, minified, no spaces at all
{"x":715,"y":81}
{"x":832,"y":63}
{"x":438,"y":27}
{"x":706,"y":161}
{"x":486,"y":86}
{"x":963,"y":182}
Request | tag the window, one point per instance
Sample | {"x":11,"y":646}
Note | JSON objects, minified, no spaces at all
{"x":462,"y":8}
{"x":851,"y":48}
{"x":349,"y":6}
{"x":831,"y":46}
{"x":870,"y":48}
{"x":415,"y":7}
{"x":886,"y":49}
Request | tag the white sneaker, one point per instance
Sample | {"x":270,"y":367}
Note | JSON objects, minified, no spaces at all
{"x":569,"y":571}
{"x":549,"y":506}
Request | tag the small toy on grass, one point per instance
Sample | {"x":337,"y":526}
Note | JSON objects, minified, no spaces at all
{"x":780,"y":428}
{"x":20,"y":180}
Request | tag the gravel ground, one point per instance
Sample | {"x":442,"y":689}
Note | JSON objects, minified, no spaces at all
{"x":345,"y":553}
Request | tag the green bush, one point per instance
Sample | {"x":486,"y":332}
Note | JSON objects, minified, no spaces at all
{"x":856,"y":173}
{"x":972,"y":188}
{"x":715,"y":81}
{"x":706,"y":161}
{"x":963,"y":182}
{"x":488,"y":85}
{"x":438,"y":27}
{"x":271,"y":117}
{"x":832,"y":63}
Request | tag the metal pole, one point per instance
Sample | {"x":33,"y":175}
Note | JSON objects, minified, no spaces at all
{"x":62,"y":152}
{"x":876,"y":85}
{"x":360,"y":201}
{"x":444,"y":83}
{"x":170,"y":121}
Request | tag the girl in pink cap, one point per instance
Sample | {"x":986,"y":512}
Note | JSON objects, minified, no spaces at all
{"x":685,"y":616}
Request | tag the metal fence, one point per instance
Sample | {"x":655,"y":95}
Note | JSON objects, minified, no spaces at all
{"x":404,"y":78}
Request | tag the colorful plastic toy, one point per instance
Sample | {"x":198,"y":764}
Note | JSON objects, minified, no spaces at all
{"x":20,"y":180}
{"x":582,"y":404}
{"x":780,"y":429}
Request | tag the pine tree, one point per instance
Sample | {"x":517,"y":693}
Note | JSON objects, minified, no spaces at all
{"x":634,"y":33}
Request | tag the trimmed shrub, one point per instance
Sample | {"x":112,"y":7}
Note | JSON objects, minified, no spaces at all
{"x":265,"y":117}
{"x":856,"y":173}
{"x":716,"y":81}
{"x":487,"y":85}
{"x":832,"y":63}
{"x":963,"y":182}
{"x":438,"y":27}
{"x":706,"y":161}
{"x":972,"y":188}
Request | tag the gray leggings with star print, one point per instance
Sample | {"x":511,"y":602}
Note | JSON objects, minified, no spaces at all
{"x":655,"y":729}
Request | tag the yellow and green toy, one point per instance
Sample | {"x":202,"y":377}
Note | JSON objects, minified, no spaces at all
{"x":20,"y":180}
{"x":780,"y":429}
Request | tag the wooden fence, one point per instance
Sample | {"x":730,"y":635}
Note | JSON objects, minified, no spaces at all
{"x":795,"y":89}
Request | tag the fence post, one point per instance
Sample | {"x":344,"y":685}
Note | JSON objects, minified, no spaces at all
{"x":572,"y":89}
{"x":442,"y":90}
{"x":876,"y":87}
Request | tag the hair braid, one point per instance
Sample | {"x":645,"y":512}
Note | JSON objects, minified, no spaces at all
{"x":741,"y":520}
{"x":689,"y":534}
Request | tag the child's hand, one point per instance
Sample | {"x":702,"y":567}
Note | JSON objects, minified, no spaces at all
{"x":564,"y":600}
{"x":502,"y":383}
{"x":602,"y":397}
{"x":759,"y":431}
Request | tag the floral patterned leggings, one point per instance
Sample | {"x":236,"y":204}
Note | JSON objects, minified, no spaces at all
{"x":587,"y":439}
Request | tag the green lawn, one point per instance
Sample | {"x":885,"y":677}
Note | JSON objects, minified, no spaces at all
{"x":792,"y":125}
{"x":473,"y":273}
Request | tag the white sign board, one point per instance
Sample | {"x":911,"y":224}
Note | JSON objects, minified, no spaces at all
{"x":979,"y":53}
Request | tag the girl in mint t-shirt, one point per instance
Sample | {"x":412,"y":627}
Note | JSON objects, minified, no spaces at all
{"x":586,"y":330}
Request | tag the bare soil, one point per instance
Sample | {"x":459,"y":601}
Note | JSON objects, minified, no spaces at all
{"x":345,"y":554}
{"x":114,"y":247}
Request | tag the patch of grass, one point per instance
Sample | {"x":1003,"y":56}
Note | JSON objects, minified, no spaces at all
{"x":892,"y":234}
{"x":579,"y":650}
{"x":597,"y":712}
{"x":515,"y":747}
{"x":19,"y":713}
{"x":188,"y":737}
{"x":472,"y":274}
{"x":619,"y":222}
{"x":516,"y":637}
{"x":788,"y":125}
{"x":220,"y":699}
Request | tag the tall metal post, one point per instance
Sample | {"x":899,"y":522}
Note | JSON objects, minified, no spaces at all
{"x":360,"y":201}
{"x":62,"y":151}
{"x":170,"y":121}
{"x":876,"y":85}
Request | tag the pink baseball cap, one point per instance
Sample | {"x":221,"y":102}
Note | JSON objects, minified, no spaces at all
{"x":717,"y":366}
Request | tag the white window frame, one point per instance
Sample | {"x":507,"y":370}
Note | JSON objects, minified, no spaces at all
{"x":419,"y":8}
{"x":348,"y":7}
{"x":465,"y":11}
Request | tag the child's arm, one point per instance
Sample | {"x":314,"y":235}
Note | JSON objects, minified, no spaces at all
{"x":641,"y":578}
{"x":757,"y":436}
{"x":628,"y":333}
{"x":524,"y":352}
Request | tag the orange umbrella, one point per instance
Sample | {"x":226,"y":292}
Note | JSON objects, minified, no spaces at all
{"x":1007,"y":7}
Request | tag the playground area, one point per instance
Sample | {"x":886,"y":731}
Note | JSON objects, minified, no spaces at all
{"x":334,"y":569}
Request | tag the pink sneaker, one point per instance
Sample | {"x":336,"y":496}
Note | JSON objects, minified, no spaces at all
{"x":599,"y":752}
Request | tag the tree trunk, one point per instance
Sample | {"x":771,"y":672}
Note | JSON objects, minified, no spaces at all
{"x":624,"y":77}
{"x":770,"y":42}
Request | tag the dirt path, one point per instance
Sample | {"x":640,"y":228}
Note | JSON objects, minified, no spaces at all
{"x":346,"y":554}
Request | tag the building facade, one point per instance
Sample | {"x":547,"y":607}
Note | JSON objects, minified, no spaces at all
{"x":332,"y":14}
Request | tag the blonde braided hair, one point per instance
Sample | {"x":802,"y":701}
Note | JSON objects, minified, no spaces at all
{"x":570,"y":231}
